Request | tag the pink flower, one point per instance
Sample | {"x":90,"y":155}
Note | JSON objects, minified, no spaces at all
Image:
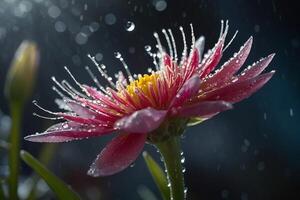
{"x":155,"y":106}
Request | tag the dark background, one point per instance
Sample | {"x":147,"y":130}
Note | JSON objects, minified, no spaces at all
{"x":251,"y":152}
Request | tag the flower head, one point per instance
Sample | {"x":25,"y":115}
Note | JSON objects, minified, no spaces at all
{"x":157,"y":105}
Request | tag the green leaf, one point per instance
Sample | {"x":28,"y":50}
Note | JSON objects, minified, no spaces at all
{"x":194,"y":121}
{"x":158,"y":175}
{"x":44,"y":157}
{"x":58,"y":186}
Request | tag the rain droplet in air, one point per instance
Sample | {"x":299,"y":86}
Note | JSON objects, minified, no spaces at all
{"x":130,"y":26}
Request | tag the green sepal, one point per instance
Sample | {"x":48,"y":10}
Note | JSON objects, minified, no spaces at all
{"x":61,"y":190}
{"x":158,"y":175}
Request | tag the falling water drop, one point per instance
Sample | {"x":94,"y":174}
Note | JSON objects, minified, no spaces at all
{"x":130,"y":26}
{"x":85,"y":7}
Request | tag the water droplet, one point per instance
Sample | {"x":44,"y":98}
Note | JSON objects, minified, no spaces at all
{"x":99,"y":56}
{"x":148,"y":48}
{"x":60,"y":26}
{"x":110,"y":19}
{"x":265,"y":116}
{"x":81,"y":38}
{"x":182,"y":160}
{"x":54,"y":11}
{"x":291,"y":112}
{"x":130,"y":26}
{"x":85,"y":7}
{"x":246,"y":142}
{"x":118,"y":55}
{"x":160,"y":5}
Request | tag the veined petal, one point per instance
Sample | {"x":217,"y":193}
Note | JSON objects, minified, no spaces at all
{"x":204,"y":109}
{"x":141,"y":121}
{"x":67,"y":131}
{"x":256,"y":68}
{"x":238,"y":90}
{"x":188,"y":90}
{"x":118,"y":154}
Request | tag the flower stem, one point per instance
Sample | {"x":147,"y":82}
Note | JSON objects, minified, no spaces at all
{"x":171,"y":153}
{"x":14,"y":160}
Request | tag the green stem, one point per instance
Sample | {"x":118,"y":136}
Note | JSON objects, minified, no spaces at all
{"x":2,"y":196}
{"x":171,"y":153}
{"x":16,"y":110}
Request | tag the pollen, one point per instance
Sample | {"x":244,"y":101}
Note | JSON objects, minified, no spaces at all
{"x":143,"y":84}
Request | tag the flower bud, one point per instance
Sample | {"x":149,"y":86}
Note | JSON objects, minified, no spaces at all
{"x":22,"y":73}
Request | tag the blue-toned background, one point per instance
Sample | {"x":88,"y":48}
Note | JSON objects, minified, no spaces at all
{"x":251,"y":152}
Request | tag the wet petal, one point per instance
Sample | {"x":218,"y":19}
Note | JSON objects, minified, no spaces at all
{"x":81,"y":110}
{"x":238,"y":90}
{"x":67,"y":131}
{"x":204,"y":109}
{"x":141,"y":121}
{"x":230,"y":67}
{"x":256,"y":68}
{"x":188,"y":90}
{"x":118,"y":154}
{"x":213,"y":59}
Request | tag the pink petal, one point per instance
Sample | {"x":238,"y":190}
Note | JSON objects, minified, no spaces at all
{"x":81,"y":110}
{"x":67,"y":131}
{"x":188,"y":90}
{"x":141,"y":121}
{"x":213,"y":59}
{"x":256,"y":68}
{"x":118,"y":154}
{"x":230,"y":67}
{"x":193,"y":64}
{"x":203,"y":109}
{"x":238,"y":90}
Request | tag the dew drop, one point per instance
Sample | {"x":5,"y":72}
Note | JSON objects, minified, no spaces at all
{"x":118,"y":55}
{"x":130,"y":26}
{"x":148,"y":48}
{"x":182,"y":160}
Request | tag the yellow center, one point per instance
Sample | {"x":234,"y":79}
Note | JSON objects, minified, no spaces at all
{"x":142,"y":84}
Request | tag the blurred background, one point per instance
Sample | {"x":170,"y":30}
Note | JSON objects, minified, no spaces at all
{"x":251,"y":152}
